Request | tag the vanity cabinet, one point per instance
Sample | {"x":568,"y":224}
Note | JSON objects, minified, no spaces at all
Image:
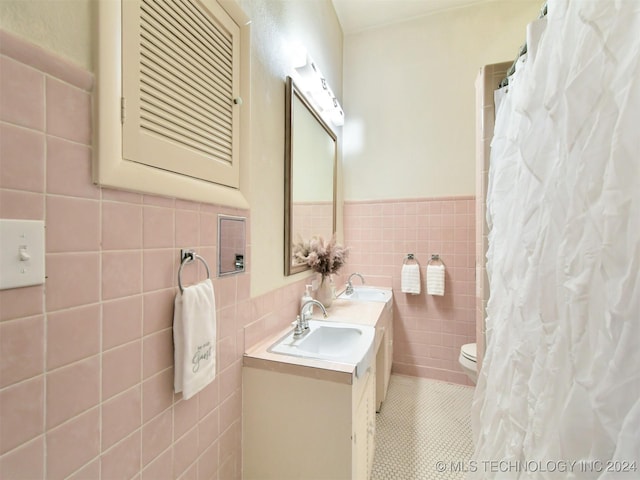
{"x":307,"y":426}
{"x":305,"y":418}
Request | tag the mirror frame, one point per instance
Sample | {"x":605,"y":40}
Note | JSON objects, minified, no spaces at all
{"x":291,"y":93}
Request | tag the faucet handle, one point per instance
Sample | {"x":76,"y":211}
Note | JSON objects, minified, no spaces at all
{"x":299,"y":329}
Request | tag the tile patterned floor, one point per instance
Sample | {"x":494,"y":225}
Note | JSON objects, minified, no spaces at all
{"x":423,"y":422}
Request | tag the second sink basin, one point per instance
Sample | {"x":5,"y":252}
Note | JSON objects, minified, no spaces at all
{"x":368,"y":294}
{"x":331,"y":341}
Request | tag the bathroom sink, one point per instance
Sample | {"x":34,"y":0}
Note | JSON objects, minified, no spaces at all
{"x":368,"y":294}
{"x":332,"y":341}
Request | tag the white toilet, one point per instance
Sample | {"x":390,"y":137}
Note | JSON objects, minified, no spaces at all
{"x":467,"y":359}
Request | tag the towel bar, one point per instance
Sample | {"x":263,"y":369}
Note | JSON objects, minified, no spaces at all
{"x":188,"y":256}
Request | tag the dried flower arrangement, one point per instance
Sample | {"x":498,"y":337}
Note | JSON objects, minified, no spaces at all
{"x":324,"y":257}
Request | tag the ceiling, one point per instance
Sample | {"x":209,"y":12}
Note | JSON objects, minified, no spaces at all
{"x":358,"y":15}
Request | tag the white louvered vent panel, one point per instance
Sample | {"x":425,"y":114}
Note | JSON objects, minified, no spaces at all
{"x":186,"y":74}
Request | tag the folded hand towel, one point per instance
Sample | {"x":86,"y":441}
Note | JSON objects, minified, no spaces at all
{"x":410,"y":278}
{"x":194,"y":338}
{"x":435,"y":279}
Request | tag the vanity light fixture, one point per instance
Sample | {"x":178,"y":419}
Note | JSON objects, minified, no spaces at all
{"x":311,"y":81}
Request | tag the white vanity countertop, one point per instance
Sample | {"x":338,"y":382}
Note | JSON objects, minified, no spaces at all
{"x":347,"y":311}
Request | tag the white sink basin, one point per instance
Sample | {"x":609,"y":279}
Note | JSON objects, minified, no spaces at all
{"x":368,"y":294}
{"x":333,"y":341}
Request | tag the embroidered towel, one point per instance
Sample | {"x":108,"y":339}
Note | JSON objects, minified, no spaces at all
{"x":194,"y":338}
{"x":410,"y":278}
{"x":435,"y":279}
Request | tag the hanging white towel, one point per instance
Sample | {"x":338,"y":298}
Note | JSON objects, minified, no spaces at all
{"x":435,"y":279}
{"x":194,"y":338}
{"x":410,"y":278}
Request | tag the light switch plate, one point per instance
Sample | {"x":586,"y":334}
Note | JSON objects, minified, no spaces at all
{"x":21,"y":253}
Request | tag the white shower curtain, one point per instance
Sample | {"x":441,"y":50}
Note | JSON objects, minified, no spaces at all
{"x":558,"y":395}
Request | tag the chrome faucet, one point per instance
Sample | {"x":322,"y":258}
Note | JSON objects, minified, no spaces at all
{"x":302,"y":322}
{"x":349,"y":290}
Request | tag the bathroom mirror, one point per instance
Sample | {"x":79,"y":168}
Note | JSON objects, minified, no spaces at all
{"x":231,"y":242}
{"x":310,"y":175}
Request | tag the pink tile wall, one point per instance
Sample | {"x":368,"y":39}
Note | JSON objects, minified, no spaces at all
{"x":312,"y":219}
{"x":86,"y":360}
{"x":428,"y":330}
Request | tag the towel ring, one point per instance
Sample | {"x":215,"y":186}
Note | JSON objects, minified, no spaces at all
{"x":188,"y":256}
{"x":410,"y":257}
{"x":435,"y":258}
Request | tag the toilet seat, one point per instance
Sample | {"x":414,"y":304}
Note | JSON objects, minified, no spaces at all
{"x":469,"y":351}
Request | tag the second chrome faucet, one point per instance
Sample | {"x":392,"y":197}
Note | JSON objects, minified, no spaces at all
{"x":349,"y":290}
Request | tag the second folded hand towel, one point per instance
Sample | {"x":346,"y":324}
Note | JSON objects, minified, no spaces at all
{"x":194,"y":338}
{"x":410,"y":279}
{"x":435,"y":279}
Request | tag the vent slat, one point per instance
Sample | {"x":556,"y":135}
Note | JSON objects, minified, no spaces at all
{"x":210,"y":26}
{"x":180,"y":86}
{"x":179,"y":99}
{"x":208,"y":119}
{"x":188,"y":40}
{"x":205,"y":28}
{"x":155,"y":123}
{"x":185,"y":119}
{"x":182,"y":58}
